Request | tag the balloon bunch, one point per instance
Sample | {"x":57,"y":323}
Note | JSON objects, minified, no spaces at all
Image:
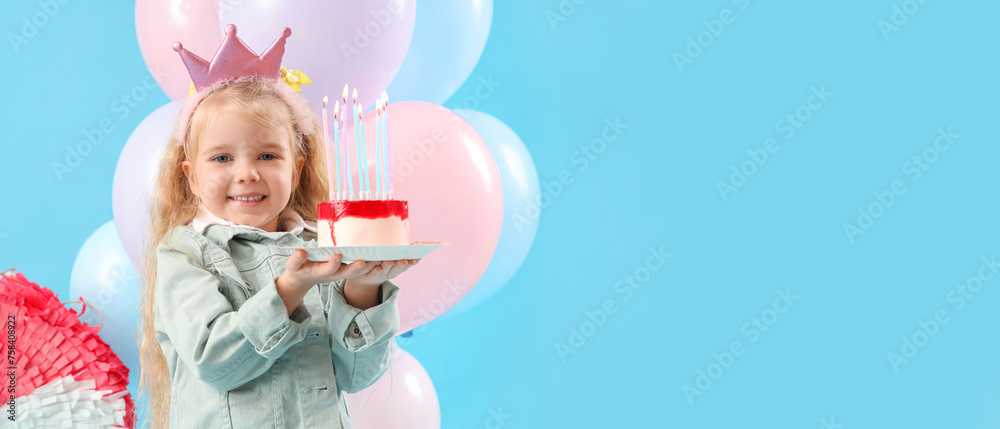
{"x":469,"y":179}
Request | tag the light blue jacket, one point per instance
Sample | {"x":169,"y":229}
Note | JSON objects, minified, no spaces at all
{"x":236,"y":358}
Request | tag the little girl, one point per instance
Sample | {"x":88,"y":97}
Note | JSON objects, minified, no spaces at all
{"x":238,"y":333}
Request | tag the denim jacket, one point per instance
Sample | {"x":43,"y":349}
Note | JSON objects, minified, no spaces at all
{"x":237,"y":359}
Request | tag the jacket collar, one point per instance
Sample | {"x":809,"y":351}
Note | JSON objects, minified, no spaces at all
{"x":288,"y":221}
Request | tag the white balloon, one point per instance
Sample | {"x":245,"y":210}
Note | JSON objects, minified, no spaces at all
{"x":135,"y":176}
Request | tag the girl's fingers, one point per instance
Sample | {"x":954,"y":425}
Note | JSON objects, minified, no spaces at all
{"x":334,"y":262}
{"x":379,"y":271}
{"x":327,"y":267}
{"x":395,"y":271}
{"x":296,"y":260}
{"x":351,"y":269}
{"x":362,"y":268}
{"x":399,"y":269}
{"x":369,"y":266}
{"x":386,"y":268}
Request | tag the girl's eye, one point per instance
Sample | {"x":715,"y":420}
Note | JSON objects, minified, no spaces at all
{"x":221,"y":158}
{"x":268,"y":157}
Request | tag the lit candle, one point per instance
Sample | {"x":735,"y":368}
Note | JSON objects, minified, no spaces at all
{"x":364,"y":151}
{"x":388,"y":145}
{"x":357,"y":143}
{"x":326,"y":146}
{"x":378,"y":150}
{"x":336,"y":148}
{"x":348,"y":177}
{"x":381,"y":159}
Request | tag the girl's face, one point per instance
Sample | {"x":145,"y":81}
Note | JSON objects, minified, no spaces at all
{"x":244,"y":173}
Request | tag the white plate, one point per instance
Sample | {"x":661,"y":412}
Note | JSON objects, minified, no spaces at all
{"x":415,"y":250}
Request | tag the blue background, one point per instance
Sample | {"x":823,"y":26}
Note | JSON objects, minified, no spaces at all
{"x":823,"y":361}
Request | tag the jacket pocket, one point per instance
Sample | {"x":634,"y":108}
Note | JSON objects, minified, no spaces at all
{"x":254,"y":404}
{"x":234,"y":286}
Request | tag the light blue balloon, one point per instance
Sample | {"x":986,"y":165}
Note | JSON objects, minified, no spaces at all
{"x":104,"y":277}
{"x":448,"y":39}
{"x":521,"y":206}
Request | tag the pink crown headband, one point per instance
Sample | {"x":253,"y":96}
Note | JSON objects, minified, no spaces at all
{"x":236,"y":62}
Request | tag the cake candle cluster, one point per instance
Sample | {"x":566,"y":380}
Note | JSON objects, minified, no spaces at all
{"x":370,"y":217}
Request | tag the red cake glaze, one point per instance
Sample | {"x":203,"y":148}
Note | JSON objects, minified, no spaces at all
{"x":368,"y":209}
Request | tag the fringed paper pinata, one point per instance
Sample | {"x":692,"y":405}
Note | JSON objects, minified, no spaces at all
{"x":60,"y":371}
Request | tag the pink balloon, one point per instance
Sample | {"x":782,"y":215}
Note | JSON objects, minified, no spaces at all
{"x":361,"y":42}
{"x":403,"y":398}
{"x":159,"y":23}
{"x":446,"y":172}
{"x":135,"y":175}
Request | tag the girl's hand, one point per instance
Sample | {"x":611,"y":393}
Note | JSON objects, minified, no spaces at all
{"x":302,"y":274}
{"x":376,"y":273}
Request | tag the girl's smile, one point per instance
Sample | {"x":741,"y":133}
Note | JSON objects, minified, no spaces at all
{"x":248,"y":199}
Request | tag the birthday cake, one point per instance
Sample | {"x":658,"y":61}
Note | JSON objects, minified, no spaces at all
{"x":345,"y":221}
{"x":363,"y":223}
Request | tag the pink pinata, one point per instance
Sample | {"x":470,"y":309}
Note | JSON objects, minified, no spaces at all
{"x":63,"y":373}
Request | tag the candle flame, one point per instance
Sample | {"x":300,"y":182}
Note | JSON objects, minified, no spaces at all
{"x":336,"y":108}
{"x":355,"y":95}
{"x":325,"y":99}
{"x":345,"y":91}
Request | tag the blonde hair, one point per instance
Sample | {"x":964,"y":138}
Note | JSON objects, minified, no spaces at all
{"x":174,"y":204}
